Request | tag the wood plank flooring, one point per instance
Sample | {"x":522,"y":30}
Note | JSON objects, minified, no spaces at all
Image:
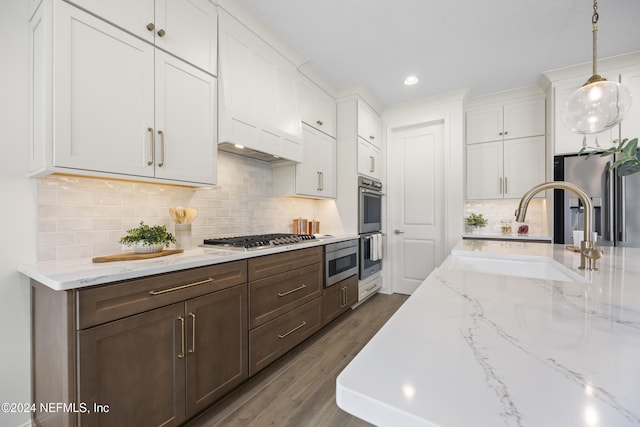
{"x":299,"y":389}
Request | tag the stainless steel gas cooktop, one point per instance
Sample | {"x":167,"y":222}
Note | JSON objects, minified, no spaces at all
{"x":255,"y":242}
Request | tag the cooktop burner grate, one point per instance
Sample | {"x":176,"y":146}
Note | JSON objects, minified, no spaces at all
{"x":259,"y":241}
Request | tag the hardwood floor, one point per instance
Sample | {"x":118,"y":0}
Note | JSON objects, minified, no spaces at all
{"x":299,"y":389}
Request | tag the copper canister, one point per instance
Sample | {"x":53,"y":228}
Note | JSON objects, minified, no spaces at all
{"x":300,"y":226}
{"x":313,"y":227}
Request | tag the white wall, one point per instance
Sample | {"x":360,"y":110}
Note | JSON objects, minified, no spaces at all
{"x":17,"y":209}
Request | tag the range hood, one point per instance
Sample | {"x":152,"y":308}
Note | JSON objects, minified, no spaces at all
{"x":249,"y":152}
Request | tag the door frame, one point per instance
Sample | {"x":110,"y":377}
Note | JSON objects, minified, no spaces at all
{"x":448,"y":109}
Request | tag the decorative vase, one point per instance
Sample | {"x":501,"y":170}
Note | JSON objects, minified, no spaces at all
{"x":183,"y":236}
{"x":142,"y":247}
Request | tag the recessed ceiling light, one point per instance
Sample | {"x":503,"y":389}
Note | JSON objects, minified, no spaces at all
{"x":411,"y":80}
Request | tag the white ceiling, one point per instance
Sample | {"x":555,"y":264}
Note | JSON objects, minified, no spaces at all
{"x":484,"y":45}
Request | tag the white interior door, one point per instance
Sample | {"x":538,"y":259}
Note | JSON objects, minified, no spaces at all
{"x":416,"y":200}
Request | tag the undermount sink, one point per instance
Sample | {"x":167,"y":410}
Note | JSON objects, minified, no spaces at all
{"x":531,"y":268}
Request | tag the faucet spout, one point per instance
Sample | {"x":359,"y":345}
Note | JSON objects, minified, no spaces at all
{"x":588,"y":252}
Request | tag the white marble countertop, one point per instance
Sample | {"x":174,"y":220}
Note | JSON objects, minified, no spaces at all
{"x":82,"y":272}
{"x":506,"y":236}
{"x":485,"y":349}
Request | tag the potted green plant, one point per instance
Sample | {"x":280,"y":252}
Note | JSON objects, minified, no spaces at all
{"x":627,"y":161}
{"x":475,"y":221}
{"x":148,"y":239}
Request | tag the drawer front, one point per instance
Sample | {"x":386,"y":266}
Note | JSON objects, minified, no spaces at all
{"x":270,"y":265}
{"x":273,"y":339}
{"x":103,"y":304}
{"x":276,"y":295}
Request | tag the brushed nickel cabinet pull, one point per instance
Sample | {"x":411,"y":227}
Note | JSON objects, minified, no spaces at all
{"x":500,"y":184}
{"x":372,"y":164}
{"x":506,"y":132}
{"x":505,"y":186}
{"x":500,"y":133}
{"x":371,"y":137}
{"x":372,"y":287}
{"x":181,"y":319}
{"x":150,"y":26}
{"x":193,"y":333}
{"x":161,"y":33}
{"x":299,"y":288}
{"x":153,"y":147}
{"x":321,"y":181}
{"x":319,"y":122}
{"x":293,"y":330}
{"x":177,"y":288}
{"x":318,"y":186}
{"x":161,"y":133}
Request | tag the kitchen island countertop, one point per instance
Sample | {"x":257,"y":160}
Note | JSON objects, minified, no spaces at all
{"x":81,"y":272}
{"x":489,"y":349}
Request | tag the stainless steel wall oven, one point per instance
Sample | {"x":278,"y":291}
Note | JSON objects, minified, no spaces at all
{"x":369,"y":205}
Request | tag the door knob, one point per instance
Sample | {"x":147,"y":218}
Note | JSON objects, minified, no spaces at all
{"x":398,"y":231}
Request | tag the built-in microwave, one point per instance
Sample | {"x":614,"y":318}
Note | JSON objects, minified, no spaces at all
{"x":341,"y":261}
{"x":369,"y":205}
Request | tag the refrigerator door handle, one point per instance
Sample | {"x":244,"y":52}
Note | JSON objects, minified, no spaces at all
{"x":610,"y":204}
{"x":622,"y":233}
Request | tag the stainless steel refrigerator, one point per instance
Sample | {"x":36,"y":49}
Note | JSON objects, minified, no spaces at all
{"x":616,"y":201}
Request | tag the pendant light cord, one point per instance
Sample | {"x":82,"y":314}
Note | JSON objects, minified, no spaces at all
{"x":594,"y":23}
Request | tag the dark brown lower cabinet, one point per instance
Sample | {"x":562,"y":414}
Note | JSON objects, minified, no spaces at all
{"x":338,"y":298}
{"x":132,"y":370}
{"x":161,"y":367}
{"x":152,"y":351}
{"x":217,"y":356}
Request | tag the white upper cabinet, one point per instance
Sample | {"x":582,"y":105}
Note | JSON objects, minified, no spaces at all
{"x":117,"y":107}
{"x":259,"y":106}
{"x":630,"y":125}
{"x":505,"y":153}
{"x":369,"y":125}
{"x":315,"y":176}
{"x":369,"y":160}
{"x":505,"y":169}
{"x":511,"y":120}
{"x":318,"y":108}
{"x":185,"y":28}
{"x":185,"y":122}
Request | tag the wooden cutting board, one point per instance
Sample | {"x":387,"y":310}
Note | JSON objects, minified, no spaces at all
{"x":129,"y":256}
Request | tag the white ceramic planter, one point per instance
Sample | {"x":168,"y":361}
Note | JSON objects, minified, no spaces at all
{"x":142,"y":248}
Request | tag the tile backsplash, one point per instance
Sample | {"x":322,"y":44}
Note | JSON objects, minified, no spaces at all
{"x":496,"y":210}
{"x":85,"y":217}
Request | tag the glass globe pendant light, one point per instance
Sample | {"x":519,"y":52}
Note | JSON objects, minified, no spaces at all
{"x":599,"y":104}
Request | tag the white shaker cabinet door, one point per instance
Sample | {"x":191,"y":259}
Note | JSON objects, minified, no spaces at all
{"x":630,"y":126}
{"x":189,"y":30}
{"x":484,"y":171}
{"x":524,"y":165}
{"x":103,"y":105}
{"x":369,"y":125}
{"x":135,"y":16}
{"x":524,"y":118}
{"x":185,"y":122}
{"x":186,"y":28}
{"x":326,"y":158}
{"x":484,"y":124}
{"x":369,"y":160}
